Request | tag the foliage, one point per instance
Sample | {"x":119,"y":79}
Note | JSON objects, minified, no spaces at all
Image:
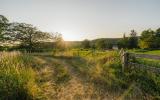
{"x":26,"y":35}
{"x":133,"y":40}
{"x":59,"y":42}
{"x":147,"y":39}
{"x":100,"y":44}
{"x":129,"y":42}
{"x":3,"y":26}
{"x":86,"y":44}
{"x":150,"y":39}
{"x":143,"y":44}
{"x":123,"y":43}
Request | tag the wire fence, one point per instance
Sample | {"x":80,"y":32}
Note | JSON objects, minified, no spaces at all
{"x":129,"y":62}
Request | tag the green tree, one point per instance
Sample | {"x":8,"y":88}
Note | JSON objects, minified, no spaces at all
{"x":123,"y":43}
{"x":158,"y":32}
{"x":3,"y":26}
{"x":100,"y":44}
{"x":143,"y":44}
{"x":157,"y":40}
{"x":58,"y":41}
{"x":147,"y":39}
{"x":26,"y":34}
{"x":133,"y":40}
{"x":86,"y":44}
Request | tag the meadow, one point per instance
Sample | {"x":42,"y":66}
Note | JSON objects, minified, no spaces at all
{"x":73,"y":75}
{"x":141,"y":51}
{"x":147,"y":61}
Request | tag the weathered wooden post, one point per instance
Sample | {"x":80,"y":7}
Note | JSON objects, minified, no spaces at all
{"x":125,"y":59}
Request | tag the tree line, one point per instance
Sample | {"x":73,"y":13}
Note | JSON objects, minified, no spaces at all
{"x":26,"y":35}
{"x":125,"y":42}
{"x":149,"y":39}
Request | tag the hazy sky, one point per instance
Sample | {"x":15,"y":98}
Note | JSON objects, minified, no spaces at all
{"x":80,"y":19}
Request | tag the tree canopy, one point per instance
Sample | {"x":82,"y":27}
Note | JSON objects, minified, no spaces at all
{"x":86,"y":44}
{"x":129,"y":42}
{"x":26,"y":34}
{"x":100,"y":44}
{"x":3,"y":25}
{"x":150,"y":39}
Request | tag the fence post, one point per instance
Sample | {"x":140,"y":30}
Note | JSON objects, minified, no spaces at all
{"x":125,"y":59}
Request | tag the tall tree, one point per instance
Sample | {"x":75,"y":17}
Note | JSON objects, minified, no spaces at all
{"x":58,"y":41}
{"x":26,"y":34}
{"x":3,"y":25}
{"x":147,"y":39}
{"x":157,"y":36}
{"x":86,"y":44}
{"x":123,"y":43}
{"x":133,"y":40}
{"x":100,"y":44}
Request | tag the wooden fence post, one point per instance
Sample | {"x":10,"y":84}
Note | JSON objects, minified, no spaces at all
{"x":125,"y":59}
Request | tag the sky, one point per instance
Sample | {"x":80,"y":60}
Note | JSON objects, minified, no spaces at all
{"x":85,"y":19}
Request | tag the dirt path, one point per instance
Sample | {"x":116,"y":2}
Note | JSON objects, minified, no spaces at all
{"x":77,"y":88}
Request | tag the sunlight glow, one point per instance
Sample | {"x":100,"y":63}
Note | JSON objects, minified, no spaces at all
{"x":71,"y":37}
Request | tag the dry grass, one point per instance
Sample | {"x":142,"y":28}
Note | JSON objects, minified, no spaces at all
{"x":65,"y":76}
{"x":17,"y":80}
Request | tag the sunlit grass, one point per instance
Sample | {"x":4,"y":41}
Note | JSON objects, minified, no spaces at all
{"x":148,"y":62}
{"x":68,"y":75}
{"x":151,"y":52}
{"x":17,"y":78}
{"x":107,"y":76}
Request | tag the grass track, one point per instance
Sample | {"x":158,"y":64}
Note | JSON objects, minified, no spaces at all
{"x":81,"y":83}
{"x":78,"y":87}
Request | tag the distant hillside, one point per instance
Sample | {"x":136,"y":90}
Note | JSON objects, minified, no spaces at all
{"x":77,"y":44}
{"x":94,"y":40}
{"x":74,"y":44}
{"x":109,"y":40}
{"x":69,"y":44}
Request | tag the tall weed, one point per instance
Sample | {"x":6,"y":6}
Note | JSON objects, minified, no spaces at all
{"x":17,"y":78}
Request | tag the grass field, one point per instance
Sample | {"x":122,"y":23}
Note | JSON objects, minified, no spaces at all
{"x":71,"y":75}
{"x":151,"y":52}
{"x":147,"y":61}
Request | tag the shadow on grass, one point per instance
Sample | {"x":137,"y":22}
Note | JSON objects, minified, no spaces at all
{"x":81,"y":69}
{"x":52,"y":56}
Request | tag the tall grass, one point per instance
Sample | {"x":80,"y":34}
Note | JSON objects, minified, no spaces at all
{"x":106,"y":74}
{"x":141,"y":51}
{"x":61,"y":74}
{"x":148,"y":62}
{"x":17,"y":78}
